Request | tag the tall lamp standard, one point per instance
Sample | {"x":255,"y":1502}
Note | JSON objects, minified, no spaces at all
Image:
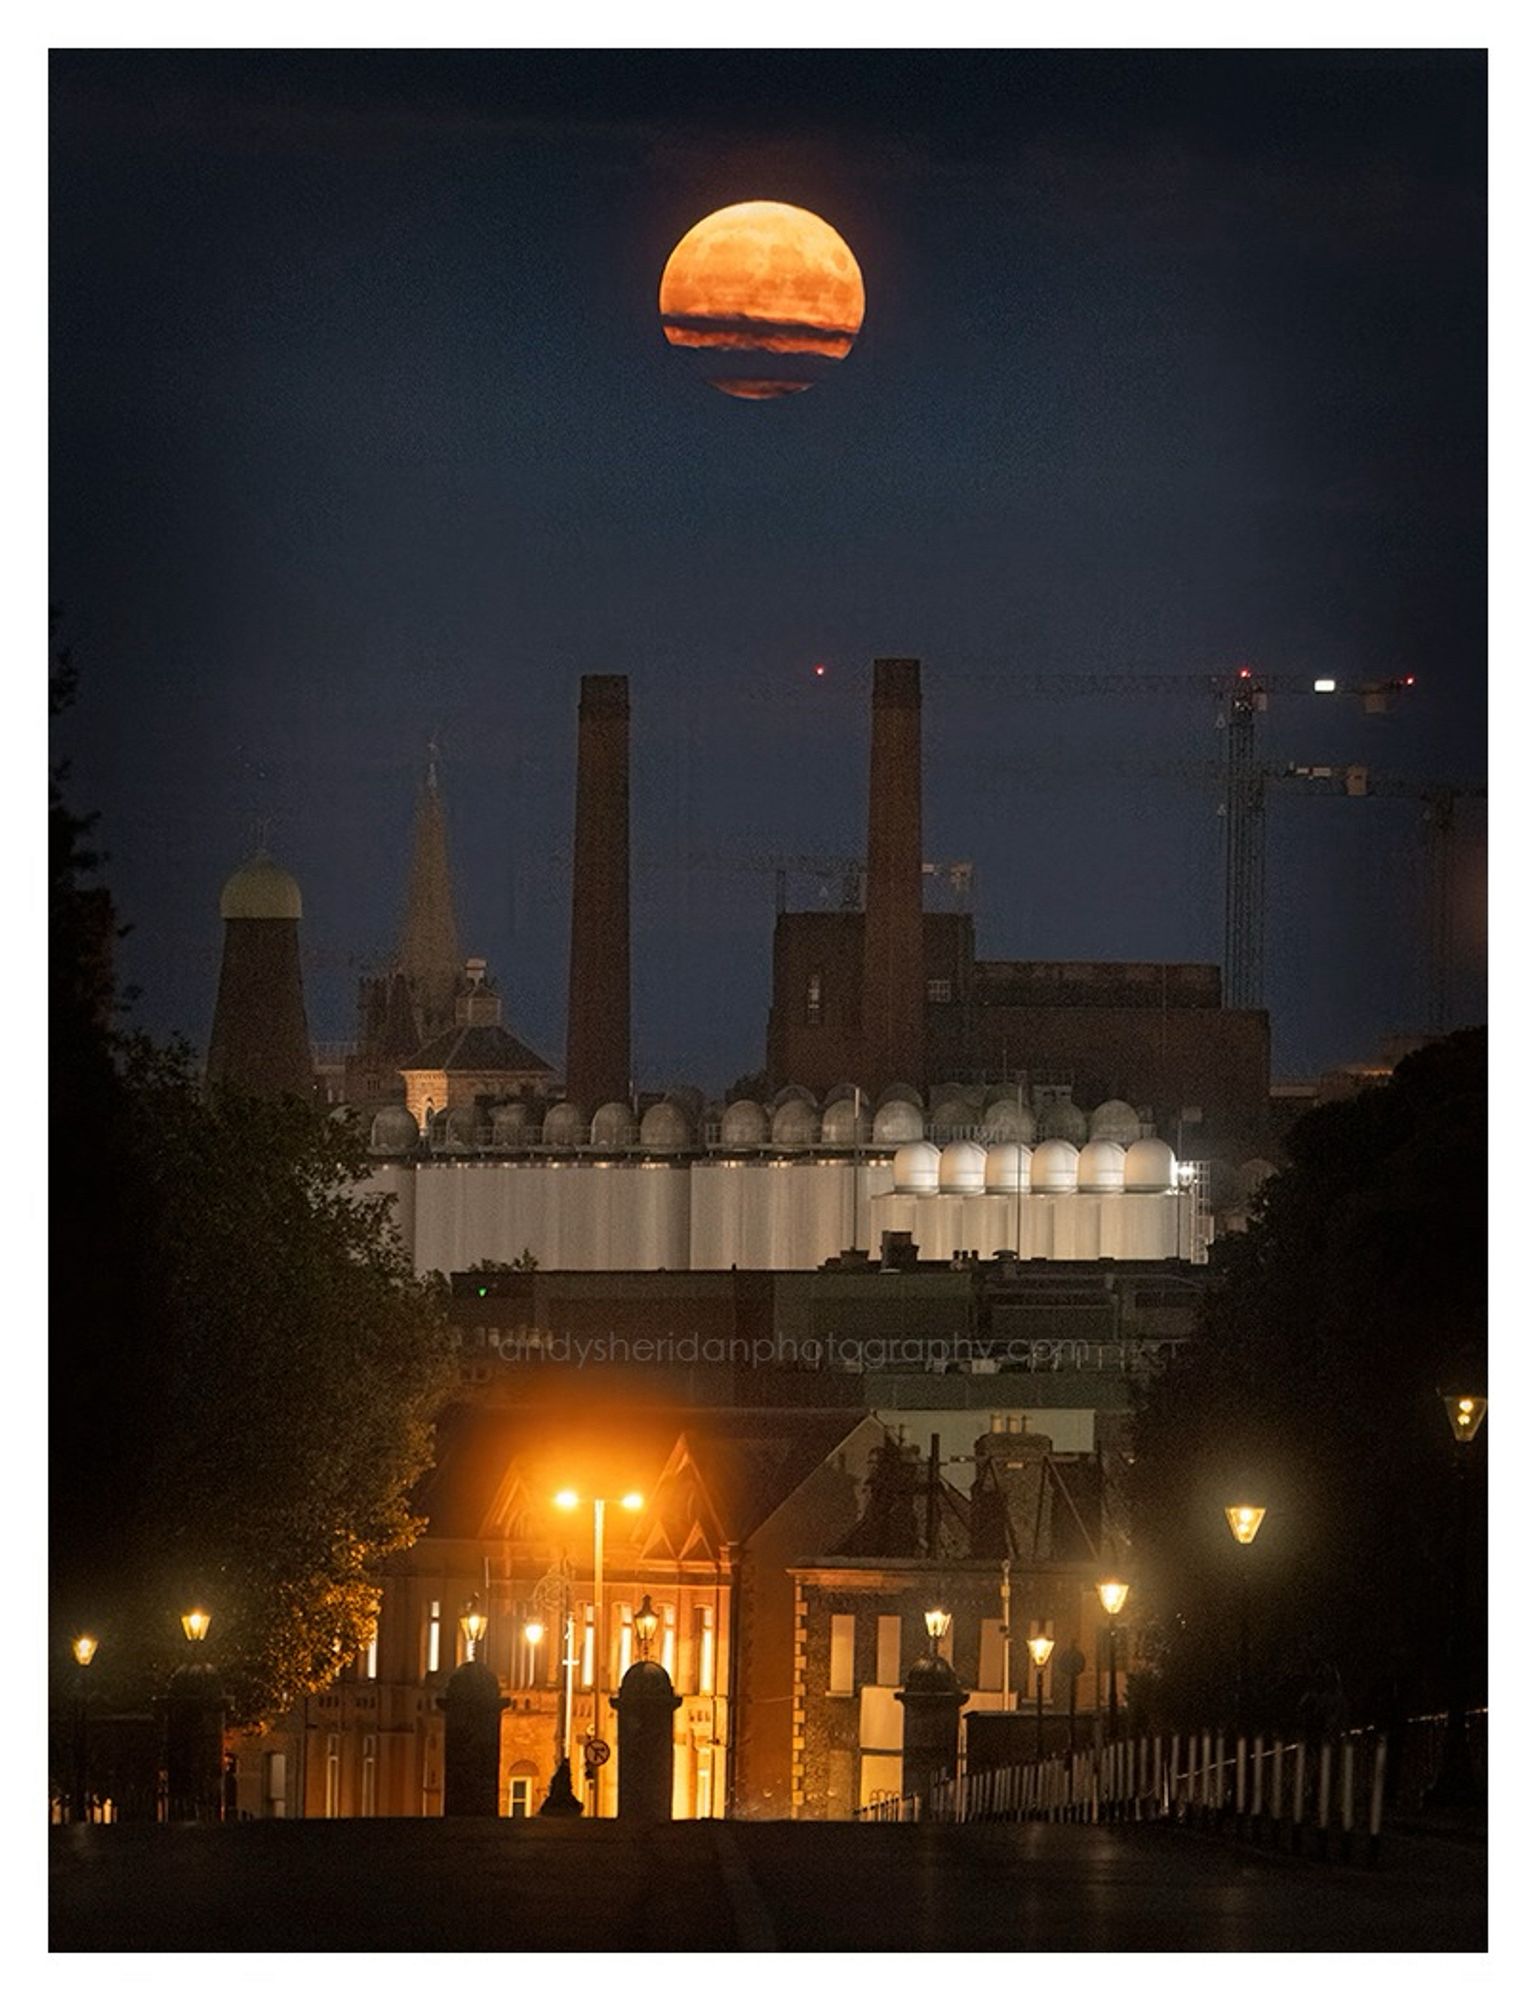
{"x":1456,"y":1784}
{"x":1040,"y":1649}
{"x":1111,"y":1596}
{"x":1244,"y":1520}
{"x":83,"y":1651}
{"x":568,"y":1500}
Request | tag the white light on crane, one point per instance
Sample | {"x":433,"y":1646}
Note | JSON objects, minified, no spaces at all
{"x":1324,"y":687}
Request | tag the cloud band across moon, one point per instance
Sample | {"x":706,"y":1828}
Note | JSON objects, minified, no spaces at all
{"x":763,"y":278}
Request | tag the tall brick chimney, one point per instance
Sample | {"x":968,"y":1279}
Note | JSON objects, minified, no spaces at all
{"x":597,"y":1024}
{"x":260,"y":1040}
{"x":894,"y":983}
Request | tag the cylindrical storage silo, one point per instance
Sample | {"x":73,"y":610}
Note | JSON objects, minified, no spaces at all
{"x":565,"y":1125}
{"x":744,"y":1125}
{"x":1116,"y":1120}
{"x":962,"y":1167}
{"x":843,"y":1124}
{"x":1009,"y":1120}
{"x":1101,"y":1167}
{"x":1053,"y":1169}
{"x":916,"y":1168}
{"x":1150,"y":1167}
{"x":897,"y":1123}
{"x":795,"y":1123}
{"x":1007,"y":1168}
{"x":665,"y":1129}
{"x":613,"y":1127}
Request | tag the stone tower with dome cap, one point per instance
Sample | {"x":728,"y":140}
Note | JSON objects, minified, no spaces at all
{"x":260,"y":1039}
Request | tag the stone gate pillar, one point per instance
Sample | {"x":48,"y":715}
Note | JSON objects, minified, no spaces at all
{"x":931,"y":1698}
{"x":646,"y":1704}
{"x":471,"y":1748}
{"x":194,"y":1744}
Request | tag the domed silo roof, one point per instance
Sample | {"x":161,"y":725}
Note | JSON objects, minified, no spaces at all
{"x":261,"y":890}
{"x":1117,"y":1121}
{"x":1063,"y":1120}
{"x":1101,"y":1167}
{"x":745,"y":1123}
{"x":565,"y":1124}
{"x":897,"y":1122}
{"x":1150,"y":1167}
{"x":665,"y":1128}
{"x":915,"y":1168}
{"x":841,"y":1127}
{"x":951,"y":1115}
{"x":1053,"y":1169}
{"x":1007,"y":1167}
{"x":900,"y":1093}
{"x":394,"y":1131}
{"x":792,"y":1092}
{"x":1008,"y":1119}
{"x":460,"y":1129}
{"x":511,"y":1125}
{"x":796,"y":1122}
{"x":962,"y":1167}
{"x":613,"y":1125}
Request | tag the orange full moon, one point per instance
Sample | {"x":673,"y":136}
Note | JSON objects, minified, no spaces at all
{"x":769,"y":295}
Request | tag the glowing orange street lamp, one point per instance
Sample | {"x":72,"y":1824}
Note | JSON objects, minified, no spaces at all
{"x":1465,"y":1414}
{"x":1244,"y":1520}
{"x":646,"y":1620}
{"x":1111,"y":1596}
{"x":84,"y":1650}
{"x":568,"y":1500}
{"x":474,"y":1624}
{"x":937,"y":1622}
{"x":1040,"y":1649}
{"x":195,"y":1624}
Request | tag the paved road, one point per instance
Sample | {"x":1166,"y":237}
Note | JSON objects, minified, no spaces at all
{"x":507,"y":1885}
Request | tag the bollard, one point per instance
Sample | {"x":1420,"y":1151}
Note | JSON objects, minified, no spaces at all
{"x":471,"y":1705}
{"x":1297,"y":1814}
{"x":1323,"y":1790}
{"x":1346,"y":1802}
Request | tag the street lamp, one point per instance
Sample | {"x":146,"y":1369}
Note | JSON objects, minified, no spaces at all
{"x":84,"y":1651}
{"x":195,"y":1624}
{"x":1244,"y":1520}
{"x":1040,"y":1649}
{"x":646,"y":1619}
{"x":1111,"y":1596}
{"x":568,"y":1500}
{"x":1456,"y":1784}
{"x":474,"y":1624}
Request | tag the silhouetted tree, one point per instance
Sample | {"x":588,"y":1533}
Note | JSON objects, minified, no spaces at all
{"x":1355,"y":1299}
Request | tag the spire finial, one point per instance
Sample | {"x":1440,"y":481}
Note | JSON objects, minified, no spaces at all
{"x":431,"y":762}
{"x":261,"y":832}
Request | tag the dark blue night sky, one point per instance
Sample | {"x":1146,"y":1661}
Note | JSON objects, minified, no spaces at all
{"x":364,"y":428}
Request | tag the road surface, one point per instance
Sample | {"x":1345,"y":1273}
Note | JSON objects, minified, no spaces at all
{"x":508,"y":1885}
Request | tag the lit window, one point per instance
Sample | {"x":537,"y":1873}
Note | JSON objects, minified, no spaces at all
{"x":434,"y":1637}
{"x":333,"y":1775}
{"x":588,"y":1645}
{"x":703,"y":1650}
{"x":369,"y":1777}
{"x":813,"y":1000}
{"x":669,"y":1638}
{"x":940,"y":992}
{"x":888,"y":1672}
{"x":370,"y":1658}
{"x":625,"y":1639}
{"x":841,"y":1677}
{"x":519,"y":1798}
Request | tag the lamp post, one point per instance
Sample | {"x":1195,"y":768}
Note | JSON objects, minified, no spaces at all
{"x":194,"y":1730}
{"x":1111,"y":1596}
{"x":1456,"y":1784}
{"x":84,"y":1651}
{"x":1040,"y":1650}
{"x":568,"y":1500}
{"x":937,"y":1622}
{"x":1244,"y":1520}
{"x":474,"y":1624}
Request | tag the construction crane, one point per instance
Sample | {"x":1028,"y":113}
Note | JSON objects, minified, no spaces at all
{"x":1240,"y":695}
{"x":1441,"y":802}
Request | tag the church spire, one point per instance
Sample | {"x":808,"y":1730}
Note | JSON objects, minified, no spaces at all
{"x":429,"y":945}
